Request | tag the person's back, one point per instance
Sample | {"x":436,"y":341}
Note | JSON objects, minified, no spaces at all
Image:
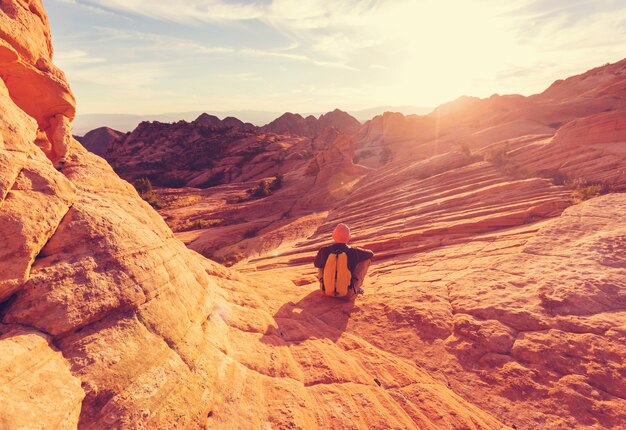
{"x":358,"y":259}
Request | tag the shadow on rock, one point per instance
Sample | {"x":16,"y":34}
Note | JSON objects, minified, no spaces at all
{"x":315,"y":316}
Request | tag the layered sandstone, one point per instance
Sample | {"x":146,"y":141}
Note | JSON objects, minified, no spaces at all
{"x":520,"y":312}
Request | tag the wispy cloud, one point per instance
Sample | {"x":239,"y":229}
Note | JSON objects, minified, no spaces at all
{"x":74,"y":57}
{"x":186,"y":11}
{"x":142,"y":42}
{"x":91,"y":8}
{"x":342,"y":51}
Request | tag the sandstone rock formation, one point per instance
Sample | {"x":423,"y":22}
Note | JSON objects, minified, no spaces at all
{"x":108,"y":321}
{"x":30,"y":77}
{"x":494,"y":299}
{"x":475,"y":280}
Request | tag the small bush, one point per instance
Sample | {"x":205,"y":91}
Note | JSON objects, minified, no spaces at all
{"x":155,"y":201}
{"x":179,"y":201}
{"x":277,"y":183}
{"x":465,"y":149}
{"x":266,"y":187}
{"x":262,"y":189}
{"x":585,"y":189}
{"x":146,"y":192}
{"x":143,"y":186}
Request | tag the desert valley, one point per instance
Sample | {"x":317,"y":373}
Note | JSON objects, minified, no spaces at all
{"x":163,"y":278}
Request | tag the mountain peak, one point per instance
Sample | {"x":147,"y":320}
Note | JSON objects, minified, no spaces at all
{"x":208,"y":120}
{"x":311,"y":126}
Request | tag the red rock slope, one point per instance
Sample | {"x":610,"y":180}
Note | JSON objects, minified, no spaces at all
{"x":108,"y":321}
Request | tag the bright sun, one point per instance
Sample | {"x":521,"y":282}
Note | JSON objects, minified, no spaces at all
{"x":443,"y":53}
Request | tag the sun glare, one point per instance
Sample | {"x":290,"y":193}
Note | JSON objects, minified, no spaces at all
{"x":441,"y":52}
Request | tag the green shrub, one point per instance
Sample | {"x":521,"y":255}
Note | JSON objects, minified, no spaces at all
{"x":266,"y":187}
{"x":262,"y":189}
{"x":585,"y":189}
{"x":146,"y":192}
{"x":143,"y":186}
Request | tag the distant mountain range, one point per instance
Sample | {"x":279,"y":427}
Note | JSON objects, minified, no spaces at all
{"x":127,"y":122}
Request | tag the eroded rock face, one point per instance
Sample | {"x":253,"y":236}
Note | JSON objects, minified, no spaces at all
{"x":34,"y":83}
{"x":36,"y":386}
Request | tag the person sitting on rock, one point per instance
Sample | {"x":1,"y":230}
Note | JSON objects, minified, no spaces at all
{"x":358,"y":259}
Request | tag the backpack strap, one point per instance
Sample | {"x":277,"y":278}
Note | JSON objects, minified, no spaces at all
{"x":336,"y":270}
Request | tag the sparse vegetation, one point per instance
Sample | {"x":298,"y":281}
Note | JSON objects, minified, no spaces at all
{"x":266,"y":187}
{"x":199,"y":224}
{"x":143,"y":186}
{"x":179,"y":201}
{"x":146,"y":192}
{"x":225,"y":260}
{"x":584,"y":189}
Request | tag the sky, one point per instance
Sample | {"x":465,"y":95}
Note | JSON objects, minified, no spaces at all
{"x":158,"y":56}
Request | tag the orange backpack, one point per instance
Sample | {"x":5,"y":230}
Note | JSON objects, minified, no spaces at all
{"x":337,"y":276}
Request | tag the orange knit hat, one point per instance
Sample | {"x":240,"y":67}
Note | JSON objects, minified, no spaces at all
{"x":341,"y":234}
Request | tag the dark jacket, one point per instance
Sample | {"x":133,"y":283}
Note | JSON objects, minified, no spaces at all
{"x":355,"y":255}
